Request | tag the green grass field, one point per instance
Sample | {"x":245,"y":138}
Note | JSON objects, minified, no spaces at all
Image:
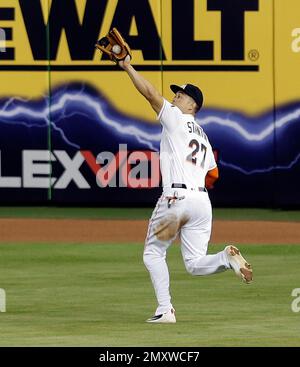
{"x":100,"y":295}
{"x":142,"y":213}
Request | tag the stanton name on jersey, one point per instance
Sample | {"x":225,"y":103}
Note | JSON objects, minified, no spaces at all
{"x":195,"y":129}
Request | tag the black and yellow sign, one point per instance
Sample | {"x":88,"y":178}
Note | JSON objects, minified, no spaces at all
{"x":233,"y":49}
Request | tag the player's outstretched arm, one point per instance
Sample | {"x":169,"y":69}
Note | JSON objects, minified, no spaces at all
{"x":143,"y":86}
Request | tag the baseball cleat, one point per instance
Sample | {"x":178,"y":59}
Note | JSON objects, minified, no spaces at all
{"x":165,"y":318}
{"x":240,"y":266}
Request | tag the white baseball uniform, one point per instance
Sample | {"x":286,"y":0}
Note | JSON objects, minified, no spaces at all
{"x":185,"y":157}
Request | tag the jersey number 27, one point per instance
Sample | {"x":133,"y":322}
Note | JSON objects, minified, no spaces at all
{"x":192,"y":157}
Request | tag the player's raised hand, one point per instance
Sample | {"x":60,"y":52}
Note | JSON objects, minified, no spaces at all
{"x":124,"y":63}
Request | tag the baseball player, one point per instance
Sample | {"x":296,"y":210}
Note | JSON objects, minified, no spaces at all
{"x":186,"y":163}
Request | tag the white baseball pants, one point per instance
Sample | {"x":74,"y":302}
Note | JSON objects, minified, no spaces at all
{"x":194,"y":235}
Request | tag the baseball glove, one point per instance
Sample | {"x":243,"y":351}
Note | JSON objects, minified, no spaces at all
{"x":114,"y":45}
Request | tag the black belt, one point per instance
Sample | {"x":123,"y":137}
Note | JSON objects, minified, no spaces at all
{"x":183,"y":186}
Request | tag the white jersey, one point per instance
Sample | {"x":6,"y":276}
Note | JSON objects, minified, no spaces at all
{"x":185,"y":151}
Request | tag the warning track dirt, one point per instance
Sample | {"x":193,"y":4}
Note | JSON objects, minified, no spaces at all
{"x":14,"y":230}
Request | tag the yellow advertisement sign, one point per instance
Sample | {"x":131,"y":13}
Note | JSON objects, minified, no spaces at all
{"x":227,"y":50}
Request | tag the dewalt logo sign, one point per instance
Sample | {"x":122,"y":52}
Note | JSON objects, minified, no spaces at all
{"x":168,"y":35}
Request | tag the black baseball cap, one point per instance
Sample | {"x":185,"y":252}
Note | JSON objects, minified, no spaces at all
{"x":191,"y":90}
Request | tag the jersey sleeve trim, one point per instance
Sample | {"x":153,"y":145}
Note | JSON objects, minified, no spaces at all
{"x":213,"y":167}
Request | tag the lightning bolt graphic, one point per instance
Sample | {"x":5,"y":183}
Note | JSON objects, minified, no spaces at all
{"x":261,"y":170}
{"x":93,"y":105}
{"x":268,"y":131}
{"x":89,"y":104}
{"x":68,"y":102}
{"x":39,"y":125}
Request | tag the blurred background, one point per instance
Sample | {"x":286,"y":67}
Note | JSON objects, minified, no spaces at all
{"x":74,"y":131}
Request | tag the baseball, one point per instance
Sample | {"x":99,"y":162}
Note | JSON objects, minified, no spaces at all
{"x":116,"y":49}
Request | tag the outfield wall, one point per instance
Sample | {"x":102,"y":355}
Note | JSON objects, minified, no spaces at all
{"x":73,"y":129}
